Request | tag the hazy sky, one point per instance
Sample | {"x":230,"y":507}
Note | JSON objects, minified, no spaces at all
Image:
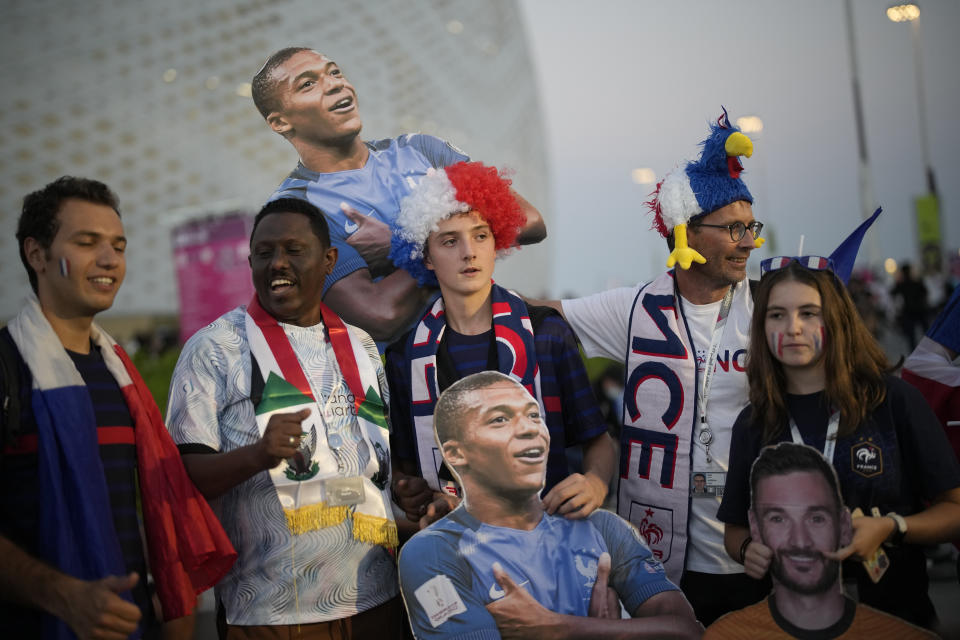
{"x":628,"y":84}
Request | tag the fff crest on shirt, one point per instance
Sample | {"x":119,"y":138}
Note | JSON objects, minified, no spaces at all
{"x":655,"y":526}
{"x":866,"y":459}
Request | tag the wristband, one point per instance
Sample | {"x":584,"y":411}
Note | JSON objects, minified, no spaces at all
{"x":743,"y":548}
{"x":899,"y":529}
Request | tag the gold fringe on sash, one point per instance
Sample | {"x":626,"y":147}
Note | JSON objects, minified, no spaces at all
{"x":366,"y":528}
{"x":313,"y":517}
{"x":374,"y":530}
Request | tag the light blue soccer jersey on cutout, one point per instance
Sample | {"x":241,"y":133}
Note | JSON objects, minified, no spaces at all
{"x":393,"y":169}
{"x":446,"y":573}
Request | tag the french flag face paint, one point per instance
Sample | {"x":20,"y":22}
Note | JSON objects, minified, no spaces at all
{"x":775,"y":340}
{"x":64,"y":267}
{"x":819,"y":340}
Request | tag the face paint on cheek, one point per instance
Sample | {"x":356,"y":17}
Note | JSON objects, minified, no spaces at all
{"x":819,"y":340}
{"x":64,"y":267}
{"x":776,"y":343}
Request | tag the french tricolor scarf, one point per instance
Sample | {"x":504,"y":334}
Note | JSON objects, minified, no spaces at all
{"x":516,"y":357}
{"x":302,"y":482}
{"x":660,"y":405}
{"x":188,"y":550}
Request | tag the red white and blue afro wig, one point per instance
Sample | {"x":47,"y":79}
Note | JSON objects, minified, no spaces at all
{"x":700,"y":187}
{"x":459,"y":188}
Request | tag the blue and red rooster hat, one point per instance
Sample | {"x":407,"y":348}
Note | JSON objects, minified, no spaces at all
{"x":701,"y":187}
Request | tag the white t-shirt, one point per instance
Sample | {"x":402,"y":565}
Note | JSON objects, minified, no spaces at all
{"x":602,"y":322}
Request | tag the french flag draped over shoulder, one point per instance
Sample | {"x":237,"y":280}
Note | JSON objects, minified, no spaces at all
{"x":933,"y":370}
{"x":936,"y":372}
{"x":188,"y":550}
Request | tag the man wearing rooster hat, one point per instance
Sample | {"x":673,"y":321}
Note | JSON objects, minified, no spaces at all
{"x":685,"y":336}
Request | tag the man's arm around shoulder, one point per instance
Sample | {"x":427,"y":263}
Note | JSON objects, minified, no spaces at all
{"x":383,"y":308}
{"x":535,"y":230}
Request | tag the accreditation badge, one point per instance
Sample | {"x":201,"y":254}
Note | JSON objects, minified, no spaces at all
{"x":707,"y":484}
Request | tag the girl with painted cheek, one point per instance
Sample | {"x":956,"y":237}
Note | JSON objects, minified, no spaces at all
{"x":818,"y":377}
{"x":795,"y":335}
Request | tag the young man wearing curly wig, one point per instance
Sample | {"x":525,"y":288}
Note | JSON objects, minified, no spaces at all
{"x":449,"y":232}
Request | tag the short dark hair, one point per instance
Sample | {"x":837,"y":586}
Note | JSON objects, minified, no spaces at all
{"x":448,"y":414}
{"x":263,"y":88}
{"x":788,"y":457}
{"x":39,"y":219}
{"x":318,"y":220}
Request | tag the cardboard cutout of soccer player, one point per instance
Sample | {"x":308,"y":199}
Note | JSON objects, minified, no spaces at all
{"x":797,"y":511}
{"x":499,"y":565}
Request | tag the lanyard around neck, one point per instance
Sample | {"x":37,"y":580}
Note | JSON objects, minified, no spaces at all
{"x":829,"y":444}
{"x":703,"y":390}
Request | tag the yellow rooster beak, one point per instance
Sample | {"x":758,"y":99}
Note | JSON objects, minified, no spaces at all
{"x":738,"y":144}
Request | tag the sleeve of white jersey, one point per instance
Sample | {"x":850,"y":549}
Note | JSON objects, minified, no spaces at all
{"x":198,"y":389}
{"x":602,"y":321}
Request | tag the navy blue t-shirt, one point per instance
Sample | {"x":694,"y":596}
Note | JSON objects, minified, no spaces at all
{"x":897,"y":460}
{"x":572,"y":415}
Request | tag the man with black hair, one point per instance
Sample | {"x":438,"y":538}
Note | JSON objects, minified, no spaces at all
{"x":85,"y":456}
{"x":796,"y":510}
{"x":278,"y":409}
{"x":499,"y":565}
{"x":305,"y":97}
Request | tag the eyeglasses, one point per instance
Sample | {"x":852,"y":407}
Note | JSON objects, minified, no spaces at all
{"x":815,"y":263}
{"x":737,"y":229}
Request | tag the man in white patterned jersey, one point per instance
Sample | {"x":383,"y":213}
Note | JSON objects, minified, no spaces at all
{"x":278,"y":410}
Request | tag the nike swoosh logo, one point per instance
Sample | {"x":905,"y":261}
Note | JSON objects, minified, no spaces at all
{"x":496,"y":592}
{"x":350,"y":226}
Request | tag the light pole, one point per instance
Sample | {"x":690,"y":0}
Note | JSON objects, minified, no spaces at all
{"x":911,"y":13}
{"x":927,"y":206}
{"x":868,"y":201}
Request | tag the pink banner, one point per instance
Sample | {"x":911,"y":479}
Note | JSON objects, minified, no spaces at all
{"x":213,"y":276}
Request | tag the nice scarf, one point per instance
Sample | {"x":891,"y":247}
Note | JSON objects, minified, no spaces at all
{"x":516,"y":357}
{"x":187,"y":548}
{"x":303,"y":487}
{"x":660,"y":405}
